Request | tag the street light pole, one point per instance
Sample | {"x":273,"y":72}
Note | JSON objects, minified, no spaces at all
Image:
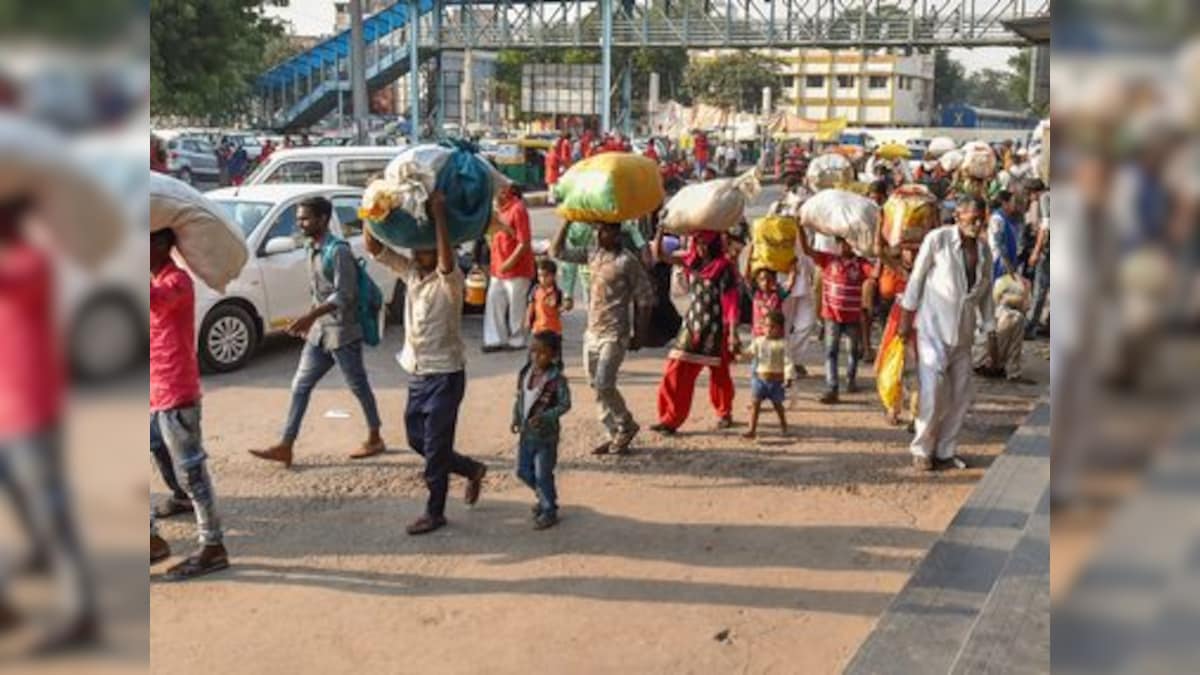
{"x":358,"y":72}
{"x":606,"y":75}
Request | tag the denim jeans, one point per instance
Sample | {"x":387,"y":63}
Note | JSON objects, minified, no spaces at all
{"x":602,"y":363}
{"x":31,"y":471}
{"x":176,"y":434}
{"x":535,"y":468}
{"x":431,"y":420}
{"x":833,"y":340}
{"x":315,"y":361}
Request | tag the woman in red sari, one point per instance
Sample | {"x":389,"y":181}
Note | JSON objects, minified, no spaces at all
{"x":707,"y":337}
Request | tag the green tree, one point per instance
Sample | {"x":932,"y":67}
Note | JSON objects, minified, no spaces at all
{"x":950,"y":84}
{"x":205,"y":55}
{"x":735,"y":81}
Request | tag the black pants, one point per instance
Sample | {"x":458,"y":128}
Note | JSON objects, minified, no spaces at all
{"x":430,"y":420}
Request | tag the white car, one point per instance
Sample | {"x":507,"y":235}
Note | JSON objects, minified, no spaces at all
{"x":343,"y":165}
{"x":273,"y":288}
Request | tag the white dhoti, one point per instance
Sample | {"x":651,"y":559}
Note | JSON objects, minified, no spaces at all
{"x":947,"y":388}
{"x":800,"y":315}
{"x":504,"y":313}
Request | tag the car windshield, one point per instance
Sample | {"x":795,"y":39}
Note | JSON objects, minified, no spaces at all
{"x":246,"y":215}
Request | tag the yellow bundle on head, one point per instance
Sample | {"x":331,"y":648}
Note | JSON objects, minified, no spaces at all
{"x":609,"y":188}
{"x":908,"y":215}
{"x":774,"y":240}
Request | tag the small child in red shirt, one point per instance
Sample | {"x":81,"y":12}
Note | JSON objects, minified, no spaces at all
{"x":545,"y":307}
{"x":842,"y":278}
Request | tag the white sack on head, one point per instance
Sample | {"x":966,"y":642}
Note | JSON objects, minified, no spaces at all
{"x":979,"y":160}
{"x":211,"y":246}
{"x":939,"y":146}
{"x":844,"y":214}
{"x":82,"y":217}
{"x":829,"y":170}
{"x":951,"y":160}
{"x":717,"y":205}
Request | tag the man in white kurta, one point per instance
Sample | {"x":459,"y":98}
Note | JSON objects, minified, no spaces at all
{"x":948,"y":291}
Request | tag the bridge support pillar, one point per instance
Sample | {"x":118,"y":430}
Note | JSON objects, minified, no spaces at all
{"x":414,"y":72}
{"x":606,"y":40}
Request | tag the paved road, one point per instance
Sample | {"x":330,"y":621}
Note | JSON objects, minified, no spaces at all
{"x":545,"y":222}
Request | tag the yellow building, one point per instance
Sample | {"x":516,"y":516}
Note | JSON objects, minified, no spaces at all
{"x":879,"y":88}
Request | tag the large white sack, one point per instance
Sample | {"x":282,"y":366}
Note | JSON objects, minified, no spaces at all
{"x":951,"y":161}
{"x":210,"y":245}
{"x":412,"y":175}
{"x":979,"y":161}
{"x":83,"y":218}
{"x":844,"y":214}
{"x":717,"y":205}
{"x":939,"y":146}
{"x":829,"y":170}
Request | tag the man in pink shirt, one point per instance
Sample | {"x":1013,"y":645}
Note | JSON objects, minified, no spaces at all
{"x":175,"y":407}
{"x":31,"y":407}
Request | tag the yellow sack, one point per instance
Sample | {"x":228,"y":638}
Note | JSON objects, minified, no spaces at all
{"x":609,"y":188}
{"x":889,"y":380}
{"x":774,"y":239}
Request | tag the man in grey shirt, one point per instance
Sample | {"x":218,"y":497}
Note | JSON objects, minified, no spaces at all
{"x":333,"y":334}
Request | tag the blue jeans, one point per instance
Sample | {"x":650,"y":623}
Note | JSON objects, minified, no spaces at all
{"x":32,"y":473}
{"x":833,"y":340}
{"x":431,"y":420}
{"x":175,"y":434}
{"x":315,"y":361}
{"x":535,"y":468}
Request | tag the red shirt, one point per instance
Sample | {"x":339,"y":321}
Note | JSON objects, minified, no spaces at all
{"x":503,"y":244}
{"x":545,"y":310}
{"x":841,"y":286}
{"x":563,"y":150}
{"x":174,"y":373}
{"x":651,"y":152}
{"x":764,"y":304}
{"x":551,"y":168}
{"x":32,"y":375}
{"x":585,"y":144}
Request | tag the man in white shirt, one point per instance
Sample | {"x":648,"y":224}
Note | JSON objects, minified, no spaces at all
{"x":433,"y":356}
{"x":950,"y":288}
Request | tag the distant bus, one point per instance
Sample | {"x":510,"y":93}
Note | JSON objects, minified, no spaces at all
{"x":960,"y":115}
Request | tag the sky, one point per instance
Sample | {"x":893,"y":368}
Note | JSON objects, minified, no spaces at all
{"x":315,"y":17}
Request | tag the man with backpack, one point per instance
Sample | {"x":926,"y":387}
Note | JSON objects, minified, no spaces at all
{"x":339,"y":322}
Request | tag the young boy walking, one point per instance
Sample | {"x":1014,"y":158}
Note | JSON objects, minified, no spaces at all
{"x":542,"y":398}
{"x":842,"y":278}
{"x":546,"y":304}
{"x":433,"y":354}
{"x":175,"y":406}
{"x":772,"y":365}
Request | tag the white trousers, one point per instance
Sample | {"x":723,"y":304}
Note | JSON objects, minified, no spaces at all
{"x":947,"y":388}
{"x":799,"y":313}
{"x":504,"y":313}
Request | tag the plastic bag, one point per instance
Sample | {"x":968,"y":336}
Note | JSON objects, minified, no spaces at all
{"x":839,"y":213}
{"x":467,"y":186}
{"x":893,"y":151}
{"x":718,"y":205}
{"x":609,"y":188}
{"x":829,"y":171}
{"x":1009,"y":291}
{"x":978,"y":160}
{"x":774,"y":240}
{"x":908,"y":215}
{"x":211,"y":246}
{"x":889,"y":378}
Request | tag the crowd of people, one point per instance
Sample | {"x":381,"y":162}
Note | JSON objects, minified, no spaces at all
{"x":938,"y":298}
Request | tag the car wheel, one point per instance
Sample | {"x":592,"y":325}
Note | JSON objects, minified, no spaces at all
{"x":107,"y":339}
{"x":228,"y":336}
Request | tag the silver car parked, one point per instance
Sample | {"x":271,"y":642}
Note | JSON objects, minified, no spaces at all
{"x":192,"y":160}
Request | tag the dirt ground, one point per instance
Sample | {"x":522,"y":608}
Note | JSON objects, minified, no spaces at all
{"x":699,"y":554}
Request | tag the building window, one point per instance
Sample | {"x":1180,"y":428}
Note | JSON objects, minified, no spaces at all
{"x":877,"y":82}
{"x":814,"y":81}
{"x":845,"y":81}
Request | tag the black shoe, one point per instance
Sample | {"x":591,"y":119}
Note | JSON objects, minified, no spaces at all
{"x":491,"y":349}
{"x":545,"y":520}
{"x":829,"y":397}
{"x":425,"y":525}
{"x":663,"y":429}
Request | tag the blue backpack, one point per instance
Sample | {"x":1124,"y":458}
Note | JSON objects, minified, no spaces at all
{"x":370,"y":297}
